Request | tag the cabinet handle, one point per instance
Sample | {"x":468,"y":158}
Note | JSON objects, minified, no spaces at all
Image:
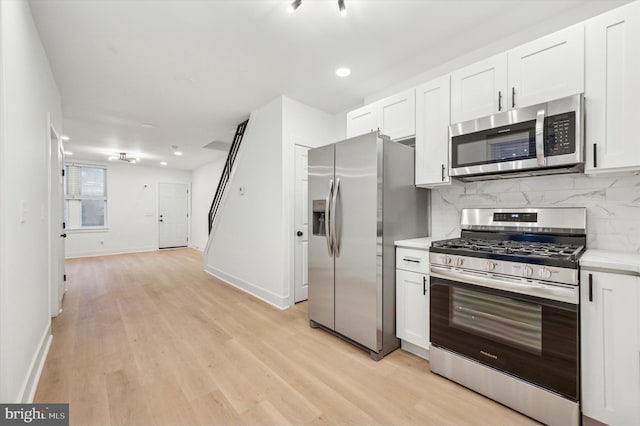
{"x":424,"y":285}
{"x":443,"y":172}
{"x":499,"y":100}
{"x":595,"y":156}
{"x":411,"y":260}
{"x":513,"y":97}
{"x":590,"y":287}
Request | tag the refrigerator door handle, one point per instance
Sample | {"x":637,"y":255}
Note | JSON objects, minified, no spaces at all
{"x":334,"y":234}
{"x":327,"y":219}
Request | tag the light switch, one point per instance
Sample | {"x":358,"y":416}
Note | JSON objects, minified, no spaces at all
{"x":23,"y":211}
{"x":241,"y":190}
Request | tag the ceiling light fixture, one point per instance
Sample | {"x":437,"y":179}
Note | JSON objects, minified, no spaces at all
{"x":65,"y":138}
{"x":122,"y":156}
{"x":163,"y":163}
{"x":294,"y":5}
{"x":177,"y":153}
{"x":342,"y":8}
{"x":68,"y":153}
{"x":343,"y":72}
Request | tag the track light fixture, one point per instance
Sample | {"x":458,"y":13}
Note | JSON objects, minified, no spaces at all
{"x":342,"y":7}
{"x":294,"y":5}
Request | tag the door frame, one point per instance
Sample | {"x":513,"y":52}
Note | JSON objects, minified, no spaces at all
{"x":56,"y":217}
{"x":189,"y":213}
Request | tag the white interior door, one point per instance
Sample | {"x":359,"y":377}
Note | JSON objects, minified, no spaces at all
{"x":173,"y":214}
{"x":56,"y":224}
{"x":301,"y":278}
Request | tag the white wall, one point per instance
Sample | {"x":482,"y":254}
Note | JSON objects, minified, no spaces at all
{"x":132,"y":211}
{"x":252,"y":242}
{"x":28,"y":94}
{"x":204,"y":182}
{"x":246,"y":244}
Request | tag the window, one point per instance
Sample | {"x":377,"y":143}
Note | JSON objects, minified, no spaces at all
{"x":85,"y":196}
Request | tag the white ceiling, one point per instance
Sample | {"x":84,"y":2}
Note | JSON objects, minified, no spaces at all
{"x":193,"y":70}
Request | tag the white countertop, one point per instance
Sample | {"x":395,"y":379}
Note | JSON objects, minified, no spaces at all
{"x":415,"y":243}
{"x":613,"y":260}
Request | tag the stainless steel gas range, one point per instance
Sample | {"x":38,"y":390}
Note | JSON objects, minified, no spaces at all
{"x":504,"y":308}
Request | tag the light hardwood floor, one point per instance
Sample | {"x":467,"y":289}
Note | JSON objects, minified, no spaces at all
{"x":150,"y":338}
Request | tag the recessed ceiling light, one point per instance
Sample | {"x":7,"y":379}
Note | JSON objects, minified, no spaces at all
{"x":148,"y":125}
{"x":163,"y":163}
{"x":177,"y":153}
{"x":343,"y":72}
{"x":65,"y":138}
{"x":68,"y":153}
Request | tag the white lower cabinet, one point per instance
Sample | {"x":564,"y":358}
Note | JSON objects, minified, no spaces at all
{"x":412,"y":305}
{"x":610,"y":347}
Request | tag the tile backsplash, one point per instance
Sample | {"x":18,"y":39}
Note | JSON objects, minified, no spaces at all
{"x":613,"y":204}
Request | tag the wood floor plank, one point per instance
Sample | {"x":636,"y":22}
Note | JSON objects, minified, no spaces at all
{"x":150,"y":338}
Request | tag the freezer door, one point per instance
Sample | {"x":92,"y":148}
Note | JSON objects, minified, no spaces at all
{"x":321,"y":265}
{"x":358,"y":239}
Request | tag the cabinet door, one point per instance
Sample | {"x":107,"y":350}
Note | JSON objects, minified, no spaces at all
{"x":548,"y":68}
{"x":479,"y":89}
{"x":412,"y":307}
{"x":612,"y":90}
{"x":432,"y":133}
{"x":610,"y":347}
{"x":362,"y":120}
{"x":397,"y":115}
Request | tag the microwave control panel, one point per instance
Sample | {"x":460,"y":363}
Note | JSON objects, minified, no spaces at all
{"x":560,"y":134}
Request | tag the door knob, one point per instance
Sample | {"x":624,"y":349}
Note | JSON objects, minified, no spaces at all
{"x":63,"y":235}
{"x":299,"y":234}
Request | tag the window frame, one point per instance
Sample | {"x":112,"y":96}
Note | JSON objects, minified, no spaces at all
{"x":79,"y":228}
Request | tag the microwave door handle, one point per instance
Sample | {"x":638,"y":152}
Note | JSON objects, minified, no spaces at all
{"x":334,"y":220}
{"x":327,"y":219}
{"x":540,"y":136}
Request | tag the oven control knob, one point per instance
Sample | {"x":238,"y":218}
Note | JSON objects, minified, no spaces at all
{"x":490,"y":266}
{"x":446,"y":260}
{"x":544,"y":273}
{"x":459,"y":261}
{"x":527,"y":271}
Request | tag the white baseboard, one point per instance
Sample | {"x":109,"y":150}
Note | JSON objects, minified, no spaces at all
{"x":415,"y":349}
{"x":196,"y":248}
{"x":93,"y":253}
{"x":279,"y":302}
{"x":30,"y":385}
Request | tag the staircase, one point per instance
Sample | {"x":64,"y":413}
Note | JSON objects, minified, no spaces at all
{"x":226,"y":172}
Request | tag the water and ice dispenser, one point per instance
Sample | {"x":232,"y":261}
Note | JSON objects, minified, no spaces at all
{"x":319,"y":217}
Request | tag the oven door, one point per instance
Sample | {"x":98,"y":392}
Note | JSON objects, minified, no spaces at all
{"x":529,"y":337}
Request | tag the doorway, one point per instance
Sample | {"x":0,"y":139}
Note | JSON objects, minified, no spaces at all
{"x":173,"y":215}
{"x":57,"y":233}
{"x":301,"y":223}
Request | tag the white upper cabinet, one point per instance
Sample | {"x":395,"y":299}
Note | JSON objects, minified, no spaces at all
{"x":548,"y":68}
{"x":362,"y":120}
{"x":612,"y":90}
{"x":395,"y":116}
{"x":432,"y":133}
{"x":610,"y":340}
{"x":479,"y":89}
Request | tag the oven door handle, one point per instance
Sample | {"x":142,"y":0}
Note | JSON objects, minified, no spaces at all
{"x":569,"y":294}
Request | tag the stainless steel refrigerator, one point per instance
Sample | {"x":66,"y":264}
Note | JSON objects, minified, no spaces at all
{"x":362,"y":198}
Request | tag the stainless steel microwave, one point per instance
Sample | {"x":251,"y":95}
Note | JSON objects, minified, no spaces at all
{"x":538,"y":139}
